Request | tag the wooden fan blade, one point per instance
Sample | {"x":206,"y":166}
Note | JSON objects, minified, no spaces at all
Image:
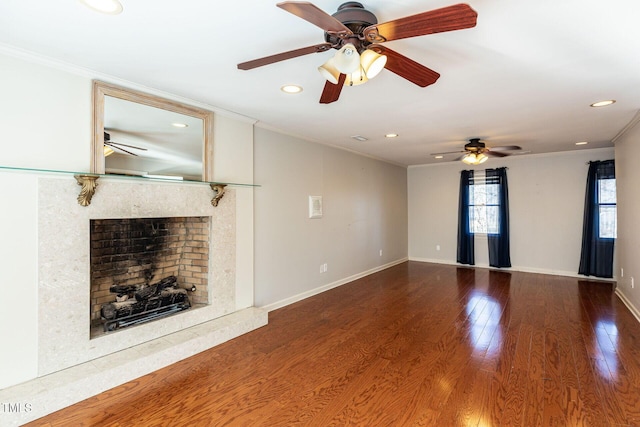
{"x":456,"y":17}
{"x":491,"y":153}
{"x":405,"y":67}
{"x":322,"y":47}
{"x":506,"y":148}
{"x":127,"y":145}
{"x":447,"y":152}
{"x":311,"y":13}
{"x":331,"y":91}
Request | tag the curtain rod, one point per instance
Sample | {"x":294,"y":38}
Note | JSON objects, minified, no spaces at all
{"x":482,"y":170}
{"x":594,"y":161}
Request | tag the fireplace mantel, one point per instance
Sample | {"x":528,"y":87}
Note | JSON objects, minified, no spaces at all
{"x":89,"y":182}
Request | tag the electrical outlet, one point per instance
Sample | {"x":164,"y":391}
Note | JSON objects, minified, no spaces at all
{"x":437,"y":247}
{"x":632,"y":283}
{"x":380,"y":252}
{"x":621,"y":272}
{"x":325,"y":267}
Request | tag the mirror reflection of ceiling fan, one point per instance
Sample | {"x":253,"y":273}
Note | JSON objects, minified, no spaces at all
{"x":356,"y":34}
{"x":476,"y":152}
{"x":111,"y":147}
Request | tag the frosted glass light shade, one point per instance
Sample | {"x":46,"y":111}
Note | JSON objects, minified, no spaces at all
{"x":356,"y":78}
{"x":347,"y":59}
{"x":372,"y":63}
{"x":329,"y":71}
{"x":469,"y":159}
{"x":107,"y":151}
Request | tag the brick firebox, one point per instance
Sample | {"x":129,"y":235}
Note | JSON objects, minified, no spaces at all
{"x":142,"y":251}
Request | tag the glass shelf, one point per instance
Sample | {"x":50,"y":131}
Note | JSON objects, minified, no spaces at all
{"x":139,"y":178}
{"x":88,"y":181}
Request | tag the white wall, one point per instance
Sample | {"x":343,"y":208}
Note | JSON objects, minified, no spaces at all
{"x":46,"y":117}
{"x":233,"y":162}
{"x":546,"y":204}
{"x":628,"y":242}
{"x":365,"y":211}
{"x":46,"y":124}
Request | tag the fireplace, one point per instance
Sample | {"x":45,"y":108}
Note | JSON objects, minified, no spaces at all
{"x":64,"y":267}
{"x":63,"y":363}
{"x":143,"y":269}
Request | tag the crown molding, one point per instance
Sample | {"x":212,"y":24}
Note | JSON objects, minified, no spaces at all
{"x":634,"y":121}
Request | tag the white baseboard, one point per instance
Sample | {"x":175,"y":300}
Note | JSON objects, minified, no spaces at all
{"x":324,"y":288}
{"x":515,"y":268}
{"x":632,"y":308}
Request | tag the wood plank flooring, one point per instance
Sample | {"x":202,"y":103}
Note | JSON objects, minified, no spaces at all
{"x":415,"y":345}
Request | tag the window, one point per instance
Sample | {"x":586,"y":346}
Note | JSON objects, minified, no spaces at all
{"x":607,"y":208}
{"x":484,"y":206}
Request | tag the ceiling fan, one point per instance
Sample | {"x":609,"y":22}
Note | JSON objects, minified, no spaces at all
{"x":476,"y":152}
{"x":110,"y":145}
{"x":356,"y":34}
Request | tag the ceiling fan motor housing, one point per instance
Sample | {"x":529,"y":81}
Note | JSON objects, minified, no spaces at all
{"x":355,"y":17}
{"x":475,"y":145}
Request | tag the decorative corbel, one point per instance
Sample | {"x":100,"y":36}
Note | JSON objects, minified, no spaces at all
{"x":219,"y":192}
{"x":89,"y":184}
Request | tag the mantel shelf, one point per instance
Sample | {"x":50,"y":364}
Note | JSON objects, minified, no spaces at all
{"x":88,"y":181}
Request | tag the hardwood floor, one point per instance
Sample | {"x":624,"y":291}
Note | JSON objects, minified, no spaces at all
{"x":414,"y":345}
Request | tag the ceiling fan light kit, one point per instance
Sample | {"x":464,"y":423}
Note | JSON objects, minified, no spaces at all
{"x":474,"y":159}
{"x":347,"y":59}
{"x":356,"y":78}
{"x":329,"y":71}
{"x":372,"y":63}
{"x":369,"y":66}
{"x":355,"y":33}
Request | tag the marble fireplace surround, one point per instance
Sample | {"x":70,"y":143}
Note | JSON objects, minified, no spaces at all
{"x":73,"y":367}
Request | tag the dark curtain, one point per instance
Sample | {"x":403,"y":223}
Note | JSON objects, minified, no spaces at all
{"x":499,"y":251}
{"x":465,"y":236}
{"x":596,"y":258}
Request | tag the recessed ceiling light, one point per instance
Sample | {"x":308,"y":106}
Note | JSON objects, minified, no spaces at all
{"x":391,"y":135}
{"x":359,"y":138}
{"x":603,"y":103}
{"x":439,"y":157}
{"x":180,"y":125}
{"x":291,"y":89}
{"x":110,"y":7}
{"x":582,"y":143}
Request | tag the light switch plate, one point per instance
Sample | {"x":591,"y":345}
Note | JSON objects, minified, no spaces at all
{"x":315,"y":207}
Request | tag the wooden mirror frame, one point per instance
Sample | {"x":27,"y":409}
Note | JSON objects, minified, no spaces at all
{"x":102,"y":89}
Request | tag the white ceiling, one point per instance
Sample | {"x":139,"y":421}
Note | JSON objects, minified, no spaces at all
{"x":525,"y":75}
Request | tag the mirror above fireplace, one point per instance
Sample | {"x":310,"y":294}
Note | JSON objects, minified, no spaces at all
{"x":139,"y":134}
